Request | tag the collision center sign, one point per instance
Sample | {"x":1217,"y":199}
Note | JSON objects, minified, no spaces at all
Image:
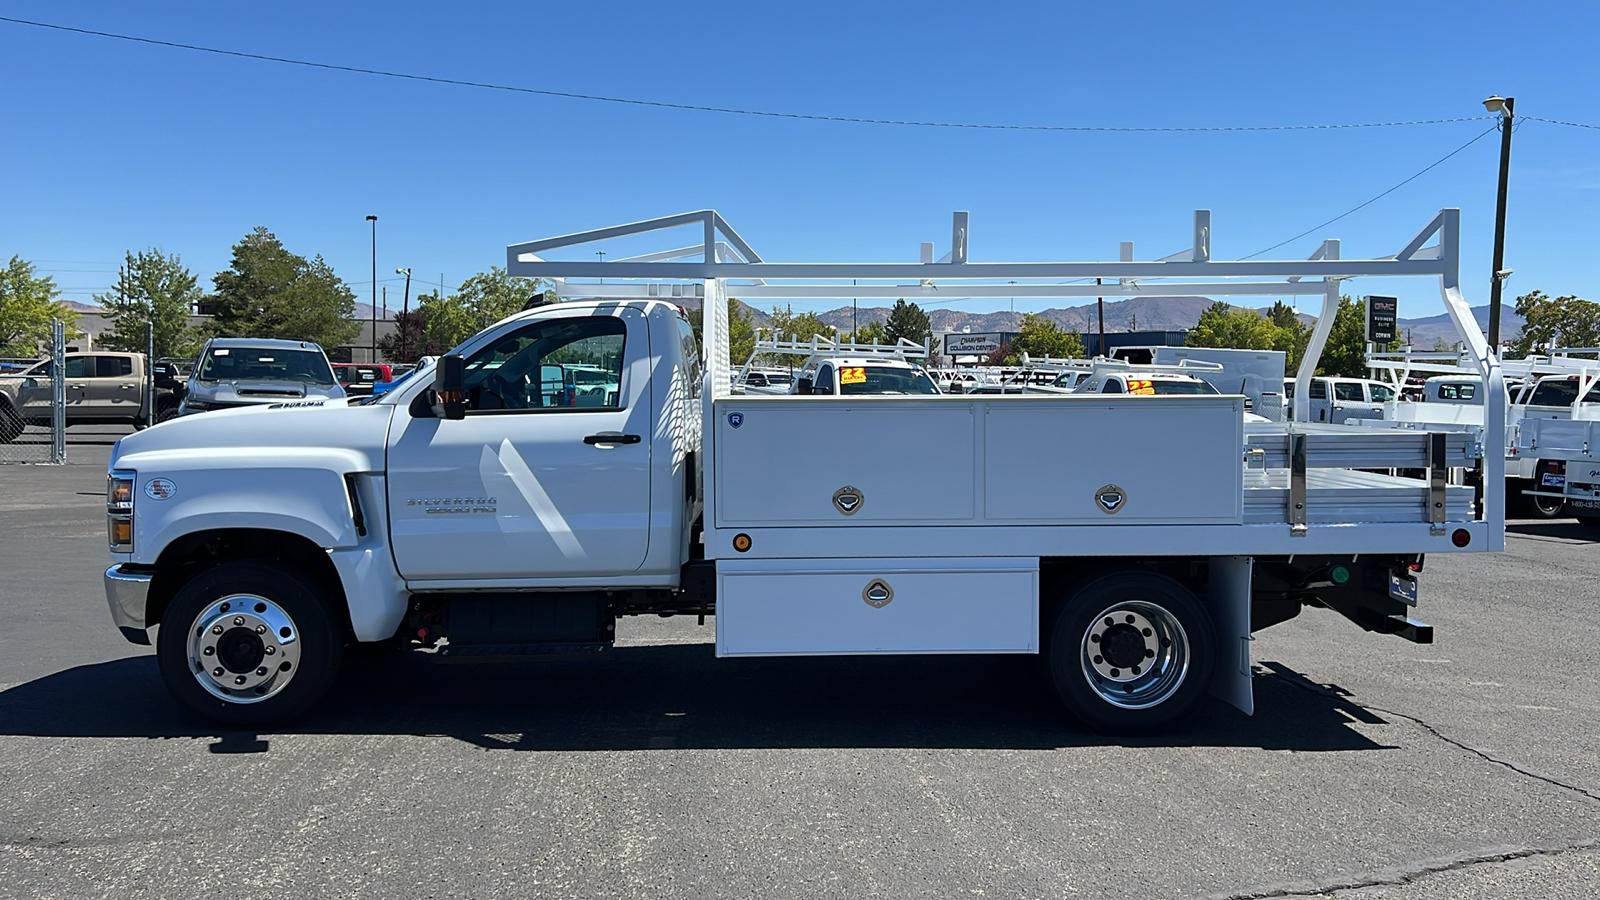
{"x":970,"y":344}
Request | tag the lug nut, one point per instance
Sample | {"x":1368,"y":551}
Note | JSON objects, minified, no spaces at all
{"x":216,"y":629}
{"x":262,"y":670}
{"x":217,"y":672}
{"x":238,"y":620}
{"x":209,"y":651}
{"x":271,"y":650}
{"x":239,"y":680}
{"x":261,"y":629}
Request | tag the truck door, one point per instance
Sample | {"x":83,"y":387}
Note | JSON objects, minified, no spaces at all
{"x":112,"y":390}
{"x":532,"y":483}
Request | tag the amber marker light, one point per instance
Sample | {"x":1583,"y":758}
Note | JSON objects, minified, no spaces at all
{"x":741,"y":542}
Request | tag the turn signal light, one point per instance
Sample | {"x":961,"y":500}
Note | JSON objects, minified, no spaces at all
{"x":120,"y":533}
{"x":741,"y":542}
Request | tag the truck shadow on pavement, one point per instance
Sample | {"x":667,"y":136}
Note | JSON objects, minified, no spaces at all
{"x":681,"y":697}
{"x":1569,"y":529}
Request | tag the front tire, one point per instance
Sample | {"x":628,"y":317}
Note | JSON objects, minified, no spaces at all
{"x":1131,"y":652}
{"x":248,"y":644}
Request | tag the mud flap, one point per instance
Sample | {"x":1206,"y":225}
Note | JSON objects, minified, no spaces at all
{"x":1229,"y":602}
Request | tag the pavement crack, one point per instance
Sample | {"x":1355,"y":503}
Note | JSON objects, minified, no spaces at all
{"x":1321,"y":690}
{"x":1398,"y":876}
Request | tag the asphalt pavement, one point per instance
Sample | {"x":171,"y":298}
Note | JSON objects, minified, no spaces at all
{"x":1373,"y":768}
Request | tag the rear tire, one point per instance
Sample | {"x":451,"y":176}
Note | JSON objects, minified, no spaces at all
{"x":1131,"y":652}
{"x":248,"y":644}
{"x":1535,"y":507}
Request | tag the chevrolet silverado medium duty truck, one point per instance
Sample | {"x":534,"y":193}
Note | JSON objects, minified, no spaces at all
{"x":488,"y":506}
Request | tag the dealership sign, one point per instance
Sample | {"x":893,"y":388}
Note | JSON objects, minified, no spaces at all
{"x":970,"y":344}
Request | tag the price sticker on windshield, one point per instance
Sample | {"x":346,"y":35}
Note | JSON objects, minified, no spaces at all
{"x":852,"y":375}
{"x":1141,"y":386}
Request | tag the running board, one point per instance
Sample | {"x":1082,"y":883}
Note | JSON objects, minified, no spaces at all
{"x":521,"y":651}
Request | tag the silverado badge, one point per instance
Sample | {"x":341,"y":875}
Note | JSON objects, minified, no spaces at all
{"x":1110,"y":498}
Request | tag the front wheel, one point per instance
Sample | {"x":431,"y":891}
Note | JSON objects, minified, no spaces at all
{"x":1131,"y":652}
{"x":248,"y":644}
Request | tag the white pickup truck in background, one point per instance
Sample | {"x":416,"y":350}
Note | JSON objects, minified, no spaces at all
{"x":480,"y":508}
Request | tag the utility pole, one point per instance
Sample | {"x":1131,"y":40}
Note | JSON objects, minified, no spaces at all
{"x":1101,"y":302}
{"x":374,"y":221}
{"x":1505,"y":108}
{"x":405,"y":311}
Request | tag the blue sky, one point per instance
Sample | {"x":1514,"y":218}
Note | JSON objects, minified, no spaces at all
{"x":115,"y":146}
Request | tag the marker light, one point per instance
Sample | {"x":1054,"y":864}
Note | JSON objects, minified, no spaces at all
{"x":1461,"y":537}
{"x":741,"y":542}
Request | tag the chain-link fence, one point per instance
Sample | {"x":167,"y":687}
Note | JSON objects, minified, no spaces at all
{"x":33,"y":405}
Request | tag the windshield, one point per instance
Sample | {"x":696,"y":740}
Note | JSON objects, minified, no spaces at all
{"x":884,"y":380}
{"x":1560,"y":393}
{"x":1171,"y":387}
{"x":257,"y":364}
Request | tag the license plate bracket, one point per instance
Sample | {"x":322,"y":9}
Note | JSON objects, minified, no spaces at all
{"x":1403,"y":588}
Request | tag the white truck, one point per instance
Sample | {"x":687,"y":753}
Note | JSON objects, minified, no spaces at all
{"x":1134,"y":541}
{"x":1566,"y":442}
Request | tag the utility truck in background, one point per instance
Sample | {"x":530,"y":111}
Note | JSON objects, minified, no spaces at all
{"x":478,"y":508}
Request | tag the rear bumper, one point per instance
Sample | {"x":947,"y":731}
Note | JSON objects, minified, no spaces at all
{"x":126,"y":592}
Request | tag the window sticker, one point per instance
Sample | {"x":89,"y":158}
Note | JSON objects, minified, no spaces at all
{"x":1141,"y":386}
{"x":222,"y":351}
{"x":852,"y":375}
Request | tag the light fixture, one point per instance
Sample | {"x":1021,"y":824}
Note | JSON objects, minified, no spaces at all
{"x":1496,"y":103}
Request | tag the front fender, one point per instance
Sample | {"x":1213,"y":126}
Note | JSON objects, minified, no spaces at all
{"x":302,"y":492}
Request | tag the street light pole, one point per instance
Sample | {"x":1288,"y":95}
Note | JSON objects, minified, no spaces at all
{"x":405,"y":312}
{"x":374,"y":221}
{"x":1505,"y":108}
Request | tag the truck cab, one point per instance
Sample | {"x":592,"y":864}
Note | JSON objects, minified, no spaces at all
{"x":1340,"y":400}
{"x":102,"y":388}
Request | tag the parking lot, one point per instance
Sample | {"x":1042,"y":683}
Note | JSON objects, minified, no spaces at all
{"x":1373,"y":768}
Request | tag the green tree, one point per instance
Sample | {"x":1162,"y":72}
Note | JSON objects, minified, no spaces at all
{"x":1222,"y":325}
{"x":872,"y":332}
{"x":741,"y":331}
{"x":269,"y":292}
{"x":27,"y":304}
{"x":408,"y":342}
{"x":1293,"y":335}
{"x":785,"y":325}
{"x":156,"y":289}
{"x":481,"y":301}
{"x":908,"y":321}
{"x":1039,"y":337}
{"x":1346,"y":353}
{"x":1560,"y":322}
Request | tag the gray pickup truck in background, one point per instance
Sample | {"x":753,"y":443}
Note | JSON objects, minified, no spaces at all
{"x":101,"y":389}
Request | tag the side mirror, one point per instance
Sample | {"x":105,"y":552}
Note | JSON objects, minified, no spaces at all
{"x":802,"y":385}
{"x":449,"y":388}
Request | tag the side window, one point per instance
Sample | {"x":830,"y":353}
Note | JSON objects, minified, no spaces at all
{"x":1381,"y":393}
{"x":1112,"y":386}
{"x":78,"y":367}
{"x":1344,"y":390}
{"x":824,"y":381}
{"x":1467,"y":391}
{"x":1319,"y":389}
{"x":1288,"y":390}
{"x":691,"y":358}
{"x":565,"y":363}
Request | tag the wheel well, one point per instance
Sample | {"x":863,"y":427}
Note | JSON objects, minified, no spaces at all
{"x":1061,"y":576}
{"x":192,"y":554}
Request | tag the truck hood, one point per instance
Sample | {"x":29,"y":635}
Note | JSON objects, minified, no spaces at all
{"x":358,"y":434}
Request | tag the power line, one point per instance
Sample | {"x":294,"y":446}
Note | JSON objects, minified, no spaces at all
{"x":631,"y":101}
{"x":1558,"y":122}
{"x":1386,"y":193}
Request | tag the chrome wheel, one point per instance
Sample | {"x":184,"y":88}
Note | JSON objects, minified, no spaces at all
{"x":1135,"y":655}
{"x":244,"y":648}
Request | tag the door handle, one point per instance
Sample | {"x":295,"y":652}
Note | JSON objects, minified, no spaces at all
{"x":612,"y":437}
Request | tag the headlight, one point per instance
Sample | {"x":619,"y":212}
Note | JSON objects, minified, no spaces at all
{"x":119,"y":511}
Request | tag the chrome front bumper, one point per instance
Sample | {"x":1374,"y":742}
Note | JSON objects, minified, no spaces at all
{"x":126,"y":593}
